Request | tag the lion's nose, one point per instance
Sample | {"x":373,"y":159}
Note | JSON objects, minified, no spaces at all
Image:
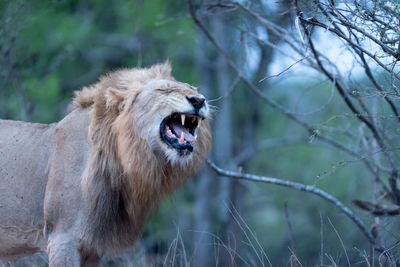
{"x":197,"y":102}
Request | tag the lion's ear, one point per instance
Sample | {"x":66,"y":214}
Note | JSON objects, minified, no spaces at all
{"x":116,"y":98}
{"x":162,"y":69}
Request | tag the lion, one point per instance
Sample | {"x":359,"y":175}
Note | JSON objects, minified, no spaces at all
{"x":84,"y":186}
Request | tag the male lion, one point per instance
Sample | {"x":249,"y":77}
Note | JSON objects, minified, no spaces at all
{"x":84,"y":186}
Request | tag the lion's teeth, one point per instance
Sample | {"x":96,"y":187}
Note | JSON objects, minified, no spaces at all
{"x":182,"y":139}
{"x":195,"y":137}
{"x":183,"y":119}
{"x":198,"y":122}
{"x":194,"y":118}
{"x":168,"y":131}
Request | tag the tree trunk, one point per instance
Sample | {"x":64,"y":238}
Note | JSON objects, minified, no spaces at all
{"x":204,"y":196}
{"x":223,"y":147}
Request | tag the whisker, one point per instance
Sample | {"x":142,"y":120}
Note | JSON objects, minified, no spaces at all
{"x":228,"y":92}
{"x":215,"y":99}
{"x":212,"y":107}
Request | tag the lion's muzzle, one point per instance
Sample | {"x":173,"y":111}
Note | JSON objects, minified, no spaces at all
{"x":179,"y":130}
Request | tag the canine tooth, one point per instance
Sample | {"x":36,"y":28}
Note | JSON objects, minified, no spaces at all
{"x":182,"y":138}
{"x":193,"y":119}
{"x":183,"y":119}
{"x":195,"y":137}
{"x":198,"y":121}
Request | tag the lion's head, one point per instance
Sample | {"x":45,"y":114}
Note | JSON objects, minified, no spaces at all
{"x":171,"y":117}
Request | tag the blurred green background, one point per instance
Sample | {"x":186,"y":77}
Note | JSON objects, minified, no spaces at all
{"x":48,"y":49}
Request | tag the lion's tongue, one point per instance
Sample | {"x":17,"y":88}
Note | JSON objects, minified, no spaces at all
{"x":179,"y":129}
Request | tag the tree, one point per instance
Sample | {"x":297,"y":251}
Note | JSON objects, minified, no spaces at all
{"x":369,"y":32}
{"x":231,"y":194}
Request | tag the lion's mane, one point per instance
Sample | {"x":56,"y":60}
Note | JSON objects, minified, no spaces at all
{"x":124,"y":179}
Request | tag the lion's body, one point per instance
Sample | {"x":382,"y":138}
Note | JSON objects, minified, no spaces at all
{"x":33,"y":157}
{"x":84,"y":186}
{"x":22,"y":187}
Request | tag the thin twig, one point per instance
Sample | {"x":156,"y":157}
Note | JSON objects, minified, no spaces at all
{"x":283,"y":71}
{"x":321,"y":231}
{"x":291,"y":236}
{"x":341,"y":242}
{"x":350,"y":42}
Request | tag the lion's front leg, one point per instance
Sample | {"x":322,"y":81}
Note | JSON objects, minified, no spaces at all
{"x":63,"y":251}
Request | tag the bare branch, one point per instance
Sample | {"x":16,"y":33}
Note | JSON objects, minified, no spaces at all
{"x":311,"y":129}
{"x":283,"y":71}
{"x":315,"y":22}
{"x":394,"y":173}
{"x":377,"y":210}
{"x":301,"y":187}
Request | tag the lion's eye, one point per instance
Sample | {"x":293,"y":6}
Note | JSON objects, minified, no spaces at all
{"x":165,"y":90}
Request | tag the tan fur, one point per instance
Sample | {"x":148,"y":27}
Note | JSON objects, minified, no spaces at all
{"x":107,"y":167}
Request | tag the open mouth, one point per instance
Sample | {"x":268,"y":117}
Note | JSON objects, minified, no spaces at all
{"x":179,"y":130}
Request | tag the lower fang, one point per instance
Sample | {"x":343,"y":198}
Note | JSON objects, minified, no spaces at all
{"x":170,"y":134}
{"x":182,"y":139}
